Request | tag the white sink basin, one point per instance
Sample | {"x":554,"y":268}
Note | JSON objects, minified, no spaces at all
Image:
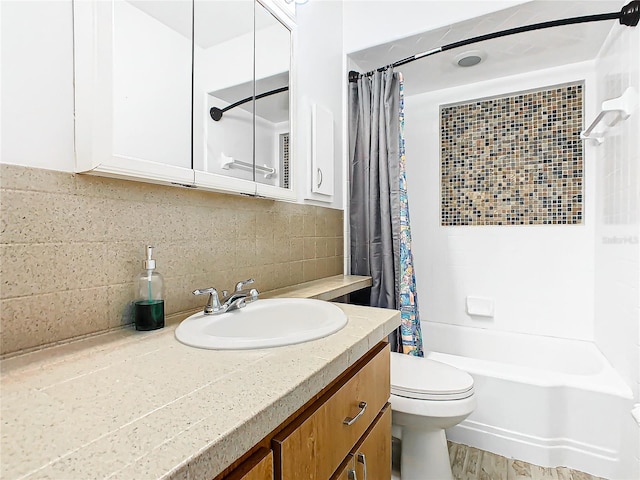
{"x":263,"y":323}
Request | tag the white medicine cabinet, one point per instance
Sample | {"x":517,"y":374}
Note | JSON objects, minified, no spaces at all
{"x":321,"y":150}
{"x":189,"y":92}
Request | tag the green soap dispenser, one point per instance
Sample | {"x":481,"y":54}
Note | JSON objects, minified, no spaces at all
{"x":149,"y":305}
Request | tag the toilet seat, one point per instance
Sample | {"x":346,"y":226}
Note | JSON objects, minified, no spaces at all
{"x":424,"y":379}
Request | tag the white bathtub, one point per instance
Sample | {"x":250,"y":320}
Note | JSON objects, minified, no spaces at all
{"x":547,"y":401}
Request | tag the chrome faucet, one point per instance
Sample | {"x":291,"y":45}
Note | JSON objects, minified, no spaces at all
{"x":238,"y":299}
{"x":213,"y":305}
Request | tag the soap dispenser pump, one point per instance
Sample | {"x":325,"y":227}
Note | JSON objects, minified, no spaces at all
{"x":149,"y":305}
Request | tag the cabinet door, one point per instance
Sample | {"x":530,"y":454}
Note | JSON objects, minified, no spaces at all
{"x":346,"y":471}
{"x":258,"y":467}
{"x":373,"y":456}
{"x":133,"y":89}
{"x":223,"y":65}
{"x":272,"y":131}
{"x":322,"y":158}
{"x":241,"y":126}
{"x":315,"y":446}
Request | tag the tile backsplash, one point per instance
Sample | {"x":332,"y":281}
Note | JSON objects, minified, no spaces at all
{"x":513,"y":160}
{"x":71,"y":246}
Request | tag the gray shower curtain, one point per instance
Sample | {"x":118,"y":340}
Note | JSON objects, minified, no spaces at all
{"x":374,"y":150}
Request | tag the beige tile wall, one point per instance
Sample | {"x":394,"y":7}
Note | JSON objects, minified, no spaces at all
{"x":71,"y":246}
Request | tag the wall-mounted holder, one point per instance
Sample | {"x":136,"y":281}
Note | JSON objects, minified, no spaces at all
{"x":480,"y":307}
{"x":228,"y":162}
{"x":622,"y":106}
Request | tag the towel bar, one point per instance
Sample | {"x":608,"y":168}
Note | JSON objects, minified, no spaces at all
{"x":624,"y":105}
{"x":227,"y":162}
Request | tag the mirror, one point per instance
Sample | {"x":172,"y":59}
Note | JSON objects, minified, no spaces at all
{"x":272,"y":60}
{"x":148,"y":76}
{"x":151,"y":81}
{"x":233,"y":64}
{"x":223,"y":58}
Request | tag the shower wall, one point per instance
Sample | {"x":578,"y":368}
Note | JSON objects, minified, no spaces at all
{"x":618,"y":211}
{"x":540,"y":277}
{"x":617,"y":247}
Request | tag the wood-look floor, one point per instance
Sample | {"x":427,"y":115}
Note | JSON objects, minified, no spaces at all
{"x":468,"y":463}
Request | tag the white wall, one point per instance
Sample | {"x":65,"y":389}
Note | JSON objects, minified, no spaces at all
{"x":37,"y":84}
{"x":617,"y":247}
{"x":374,"y":22}
{"x":540,"y":277}
{"x":272,"y":54}
{"x":320,"y":78}
{"x":618,"y":211}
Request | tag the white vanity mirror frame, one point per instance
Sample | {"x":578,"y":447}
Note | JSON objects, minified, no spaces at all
{"x":93,"y":74}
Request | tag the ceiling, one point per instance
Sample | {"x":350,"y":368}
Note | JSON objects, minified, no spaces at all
{"x":504,"y":56}
{"x":215,"y":21}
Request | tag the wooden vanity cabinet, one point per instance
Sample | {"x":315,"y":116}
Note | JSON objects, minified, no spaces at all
{"x":258,"y":467}
{"x":317,"y":443}
{"x":343,"y":429}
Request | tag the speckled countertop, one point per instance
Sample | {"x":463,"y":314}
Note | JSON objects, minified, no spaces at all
{"x":133,"y":405}
{"x":323,"y":289}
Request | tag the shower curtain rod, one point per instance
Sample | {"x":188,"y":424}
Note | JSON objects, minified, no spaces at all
{"x":216,"y":113}
{"x":629,"y":16}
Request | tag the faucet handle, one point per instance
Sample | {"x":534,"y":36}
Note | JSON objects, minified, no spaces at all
{"x":240,"y":285}
{"x":213,"y":302}
{"x":253,"y":296}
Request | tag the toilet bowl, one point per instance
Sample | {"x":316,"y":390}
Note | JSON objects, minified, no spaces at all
{"x":426,"y":398}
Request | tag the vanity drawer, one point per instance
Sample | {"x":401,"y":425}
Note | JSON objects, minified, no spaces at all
{"x":314,"y":445}
{"x":371,"y":457}
{"x":258,"y":467}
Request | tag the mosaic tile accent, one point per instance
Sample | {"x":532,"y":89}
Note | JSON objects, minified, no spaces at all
{"x":513,"y":160}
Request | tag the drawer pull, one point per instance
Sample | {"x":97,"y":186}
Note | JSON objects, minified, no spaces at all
{"x":351,"y":475}
{"x":351,"y":420}
{"x":363,"y":461}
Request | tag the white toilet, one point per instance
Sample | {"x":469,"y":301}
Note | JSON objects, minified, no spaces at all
{"x":427,"y":397}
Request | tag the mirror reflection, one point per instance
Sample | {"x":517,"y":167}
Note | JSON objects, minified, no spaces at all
{"x":272,"y":59}
{"x":229,"y":73}
{"x":152,"y":81}
{"x":203,"y":84}
{"x":223,"y":58}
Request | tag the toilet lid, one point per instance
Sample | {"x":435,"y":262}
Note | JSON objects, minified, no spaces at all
{"x":425,"y":379}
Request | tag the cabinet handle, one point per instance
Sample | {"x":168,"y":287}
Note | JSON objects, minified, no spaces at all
{"x":351,"y":475}
{"x":363,"y":461}
{"x":351,"y":420}
{"x":319,"y":177}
